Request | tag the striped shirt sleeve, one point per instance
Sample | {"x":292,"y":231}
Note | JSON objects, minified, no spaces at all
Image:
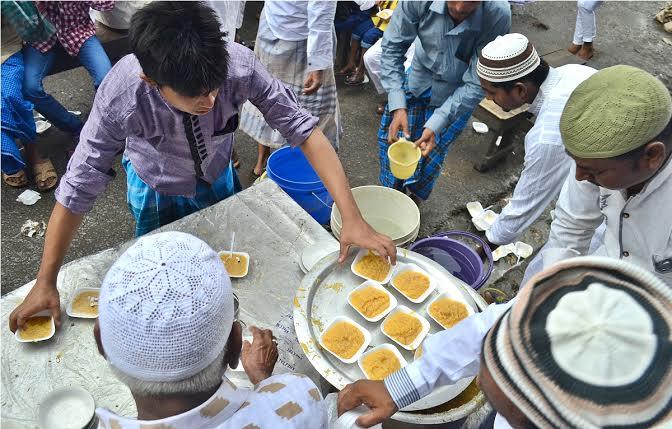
{"x":447,"y":357}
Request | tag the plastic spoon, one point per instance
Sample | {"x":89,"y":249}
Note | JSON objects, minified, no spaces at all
{"x":233,"y":238}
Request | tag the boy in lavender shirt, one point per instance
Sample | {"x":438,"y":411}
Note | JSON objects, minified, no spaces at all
{"x":173,"y":105}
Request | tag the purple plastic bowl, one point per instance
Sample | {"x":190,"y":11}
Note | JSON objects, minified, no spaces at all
{"x":456,"y":257}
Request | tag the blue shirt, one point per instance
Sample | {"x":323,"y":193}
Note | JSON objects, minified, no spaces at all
{"x":445,"y":55}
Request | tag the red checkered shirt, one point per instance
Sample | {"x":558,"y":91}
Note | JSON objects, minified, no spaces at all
{"x":72,"y":22}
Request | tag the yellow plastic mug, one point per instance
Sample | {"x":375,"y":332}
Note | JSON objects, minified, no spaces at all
{"x":404,"y":157}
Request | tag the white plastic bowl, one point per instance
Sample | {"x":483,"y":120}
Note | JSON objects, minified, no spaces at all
{"x":378,"y":286}
{"x":361,"y":254}
{"x":387,"y":210}
{"x":71,"y":407}
{"x":71,"y":312}
{"x":421,"y":336}
{"x":385,"y":346}
{"x":247,"y":263}
{"x":46,"y":337}
{"x":414,"y":268}
{"x":367,"y":338}
{"x":454,"y":296}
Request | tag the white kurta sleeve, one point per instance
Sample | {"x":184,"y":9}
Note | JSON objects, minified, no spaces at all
{"x":577,"y":215}
{"x":320,"y":34}
{"x":545,"y":170}
{"x":447,"y":357}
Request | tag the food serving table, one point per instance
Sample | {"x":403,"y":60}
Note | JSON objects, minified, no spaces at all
{"x":269,"y":226}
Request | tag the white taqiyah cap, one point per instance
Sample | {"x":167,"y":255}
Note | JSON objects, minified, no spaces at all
{"x":165,"y":308}
{"x":507,"y":58}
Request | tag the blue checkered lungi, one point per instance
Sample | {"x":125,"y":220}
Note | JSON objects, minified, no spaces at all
{"x":17,"y":115}
{"x":429,"y":168}
{"x":152,"y":210}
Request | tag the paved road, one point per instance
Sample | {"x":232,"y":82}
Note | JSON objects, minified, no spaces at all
{"x":627,"y":34}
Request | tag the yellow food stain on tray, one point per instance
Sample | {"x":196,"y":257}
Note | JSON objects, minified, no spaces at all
{"x":403,"y":327}
{"x":235,"y":263}
{"x":380,"y":363}
{"x":373,"y":266}
{"x":318,"y":324}
{"x":370,"y":301}
{"x":296,"y":302}
{"x":412,"y":284}
{"x":86,"y":303}
{"x":35,"y":328}
{"x":343,"y":339}
{"x":448,"y":311}
{"x":336,"y":287}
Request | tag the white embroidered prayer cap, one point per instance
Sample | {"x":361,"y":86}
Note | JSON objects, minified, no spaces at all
{"x":507,"y":58}
{"x":166,"y":308}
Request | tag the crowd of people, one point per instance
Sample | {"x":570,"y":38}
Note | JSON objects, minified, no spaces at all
{"x":586,"y":342}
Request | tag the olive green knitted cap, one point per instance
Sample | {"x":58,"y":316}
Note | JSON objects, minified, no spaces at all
{"x":616,"y":110}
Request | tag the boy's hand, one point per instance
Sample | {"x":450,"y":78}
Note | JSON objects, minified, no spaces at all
{"x":43,"y":296}
{"x":374,"y":395}
{"x":360,"y":234}
{"x":313,"y":82}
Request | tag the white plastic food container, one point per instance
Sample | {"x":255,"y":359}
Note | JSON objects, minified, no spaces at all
{"x":479,"y":127}
{"x":414,"y":268}
{"x":367,"y":338}
{"x":72,"y":313}
{"x":46,"y":337}
{"x":385,"y":346}
{"x":376,"y":285}
{"x":421,"y":336}
{"x":449,"y":294}
{"x":235,"y":252}
{"x":361,"y":254}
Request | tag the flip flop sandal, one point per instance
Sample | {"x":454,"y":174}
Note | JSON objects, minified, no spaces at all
{"x":45,"y":176}
{"x":16,"y":180}
{"x":352,"y":82}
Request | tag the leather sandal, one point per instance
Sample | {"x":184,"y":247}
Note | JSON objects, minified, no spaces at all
{"x":16,"y":180}
{"x":45,"y":176}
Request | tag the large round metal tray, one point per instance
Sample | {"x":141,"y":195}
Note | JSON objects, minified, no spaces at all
{"x":322,"y":296}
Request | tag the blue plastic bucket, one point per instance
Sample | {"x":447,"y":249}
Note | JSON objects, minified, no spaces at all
{"x":289,"y":168}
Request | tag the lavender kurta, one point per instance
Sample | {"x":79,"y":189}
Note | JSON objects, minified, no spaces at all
{"x":171,"y":150}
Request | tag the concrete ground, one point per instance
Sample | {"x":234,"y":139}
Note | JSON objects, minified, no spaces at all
{"x":627,"y":34}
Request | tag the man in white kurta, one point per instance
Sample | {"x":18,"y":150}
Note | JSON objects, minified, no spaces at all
{"x":167,"y":327}
{"x":512,"y":74}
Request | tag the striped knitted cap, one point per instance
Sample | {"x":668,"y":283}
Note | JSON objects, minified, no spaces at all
{"x":507,"y":58}
{"x":613,"y":112}
{"x":586,"y":345}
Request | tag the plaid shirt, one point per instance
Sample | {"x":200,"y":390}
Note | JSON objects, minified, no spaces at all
{"x":72,"y":22}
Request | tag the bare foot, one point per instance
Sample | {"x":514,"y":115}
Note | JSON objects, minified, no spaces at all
{"x":573,"y":49}
{"x":586,"y":52}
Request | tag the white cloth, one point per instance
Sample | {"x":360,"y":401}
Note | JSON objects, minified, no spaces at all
{"x":280,"y":401}
{"x":585,"y":29}
{"x":305,"y":20}
{"x":230,"y":13}
{"x":546,"y":163}
{"x":638,"y":229}
{"x":365,"y":4}
{"x":372,"y":62}
{"x":120,"y":16}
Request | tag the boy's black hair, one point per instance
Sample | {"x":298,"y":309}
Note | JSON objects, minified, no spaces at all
{"x":537,"y":77}
{"x":180,"y":45}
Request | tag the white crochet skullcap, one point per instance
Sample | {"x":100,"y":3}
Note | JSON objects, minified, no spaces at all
{"x":507,"y":58}
{"x":166,"y":308}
